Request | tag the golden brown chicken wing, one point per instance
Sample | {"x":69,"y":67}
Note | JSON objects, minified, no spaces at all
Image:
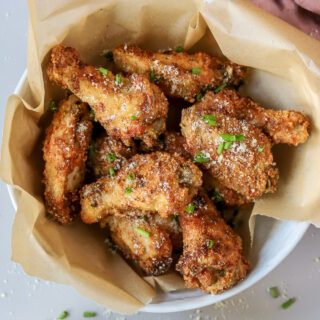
{"x":127,"y":107}
{"x":179,"y":75}
{"x":156,"y":182}
{"x":142,"y":241}
{"x":283,"y":126}
{"x":64,"y":152}
{"x":212,"y":255}
{"x":108,"y":155}
{"x":235,"y":152}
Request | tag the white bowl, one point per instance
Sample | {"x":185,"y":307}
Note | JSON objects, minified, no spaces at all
{"x":274,"y":240}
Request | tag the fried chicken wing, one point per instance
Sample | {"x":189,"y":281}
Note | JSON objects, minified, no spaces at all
{"x":127,"y":107}
{"x":179,"y":75}
{"x":283,"y":126}
{"x":156,"y":182}
{"x":142,"y":241}
{"x":235,"y":152}
{"x":64,"y":152}
{"x":212,"y":255}
{"x":109,"y":155}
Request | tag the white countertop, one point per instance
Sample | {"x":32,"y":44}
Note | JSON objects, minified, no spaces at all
{"x":23,"y":297}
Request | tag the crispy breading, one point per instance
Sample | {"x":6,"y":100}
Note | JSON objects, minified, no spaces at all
{"x":172,"y":71}
{"x":127,"y":107}
{"x":212,"y":255}
{"x":156,"y":182}
{"x":246,"y":166}
{"x":64,"y":152}
{"x":109,"y":154}
{"x":283,"y":126}
{"x":142,"y":241}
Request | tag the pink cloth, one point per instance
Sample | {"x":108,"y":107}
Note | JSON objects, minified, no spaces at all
{"x":303,"y":14}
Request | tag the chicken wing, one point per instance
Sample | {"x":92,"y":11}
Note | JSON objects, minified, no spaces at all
{"x":108,"y":155}
{"x":235,"y":152}
{"x":142,"y":241}
{"x":64,"y":152}
{"x":179,"y":75}
{"x":212,"y":255}
{"x":156,"y":182}
{"x":127,"y":107}
{"x":283,"y":126}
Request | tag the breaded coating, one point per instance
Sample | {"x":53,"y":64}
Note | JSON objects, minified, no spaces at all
{"x":127,"y":107}
{"x":179,"y":75}
{"x":283,"y":126}
{"x":156,"y":182}
{"x":108,"y":155}
{"x":212,"y":255}
{"x":64,"y":152}
{"x":142,"y":241}
{"x":245,"y":166}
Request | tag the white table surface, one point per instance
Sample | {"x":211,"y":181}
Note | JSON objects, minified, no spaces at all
{"x":23,"y":297}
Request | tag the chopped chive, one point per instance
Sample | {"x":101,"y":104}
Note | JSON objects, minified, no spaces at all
{"x":88,"y":314}
{"x":199,"y":96}
{"x":274,"y":292}
{"x":109,"y":56}
{"x":53,"y":106}
{"x":287,"y":304}
{"x":152,"y":77}
{"x":208,"y":87}
{"x":239,"y":137}
{"x":190,"y":208}
{"x":131,"y":176}
{"x":179,"y":49}
{"x":210,"y":118}
{"x":133,"y":118}
{"x":209,"y":243}
{"x":217,"y":197}
{"x":195,"y":70}
{"x":91,"y":114}
{"x":91,"y":150}
{"x":227,"y":145}
{"x":63,"y":315}
{"x":142,"y":232}
{"x":201,"y":158}
{"x":220,"y":87}
{"x":118,"y":78}
{"x":220,"y":148}
{"x":260,"y":149}
{"x":128,"y":190}
{"x":103,"y":71}
{"x":111,"y":157}
{"x":175,"y":217}
{"x":228,"y":137}
{"x":112,"y":172}
{"x":144,"y":218}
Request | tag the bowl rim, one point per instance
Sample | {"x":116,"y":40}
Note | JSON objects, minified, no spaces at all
{"x":205,"y":299}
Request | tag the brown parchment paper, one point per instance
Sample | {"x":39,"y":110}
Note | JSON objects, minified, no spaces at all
{"x":286,"y":75}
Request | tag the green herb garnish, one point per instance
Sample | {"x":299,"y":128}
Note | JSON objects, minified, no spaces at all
{"x":209,"y":243}
{"x":201,"y":158}
{"x":260,"y":149}
{"x":131,"y":176}
{"x":190,"y":208}
{"x":144,"y":218}
{"x":195,"y":70}
{"x":133,"y":118}
{"x":112,"y":172}
{"x":274,"y":292}
{"x":217,"y":197}
{"x":103,"y":71}
{"x":287,"y":304}
{"x":91,"y":114}
{"x":175,"y":217}
{"x":155,"y":79}
{"x":220,"y":148}
{"x":109,"y":56}
{"x":128,"y":190}
{"x":210,"y":119}
{"x":63,"y":315}
{"x":227,"y":145}
{"x":199,"y":96}
{"x":118,"y":78}
{"x":88,"y":314}
{"x":111,"y":157}
{"x":232,"y":137}
{"x":142,"y":232}
{"x":220,"y":87}
{"x":53,"y":106}
{"x":179,"y":48}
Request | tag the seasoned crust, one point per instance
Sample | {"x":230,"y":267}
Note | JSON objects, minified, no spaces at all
{"x":172,"y":70}
{"x":244,"y":167}
{"x":283,"y":126}
{"x":114,"y":102}
{"x":64,"y":152}
{"x":212,"y":255}
{"x":161,"y":183}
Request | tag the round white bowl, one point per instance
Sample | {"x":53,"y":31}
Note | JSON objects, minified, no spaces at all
{"x":273,"y":241}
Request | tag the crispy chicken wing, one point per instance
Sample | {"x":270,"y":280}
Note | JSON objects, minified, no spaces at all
{"x":142,"y":241}
{"x":108,"y":155}
{"x":283,"y":126}
{"x":64,"y":152}
{"x":212,"y":255}
{"x":156,"y":182}
{"x":127,"y":107}
{"x":179,"y":75}
{"x":235,"y":152}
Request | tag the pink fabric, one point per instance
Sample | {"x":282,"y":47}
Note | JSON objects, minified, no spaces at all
{"x":303,"y":14}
